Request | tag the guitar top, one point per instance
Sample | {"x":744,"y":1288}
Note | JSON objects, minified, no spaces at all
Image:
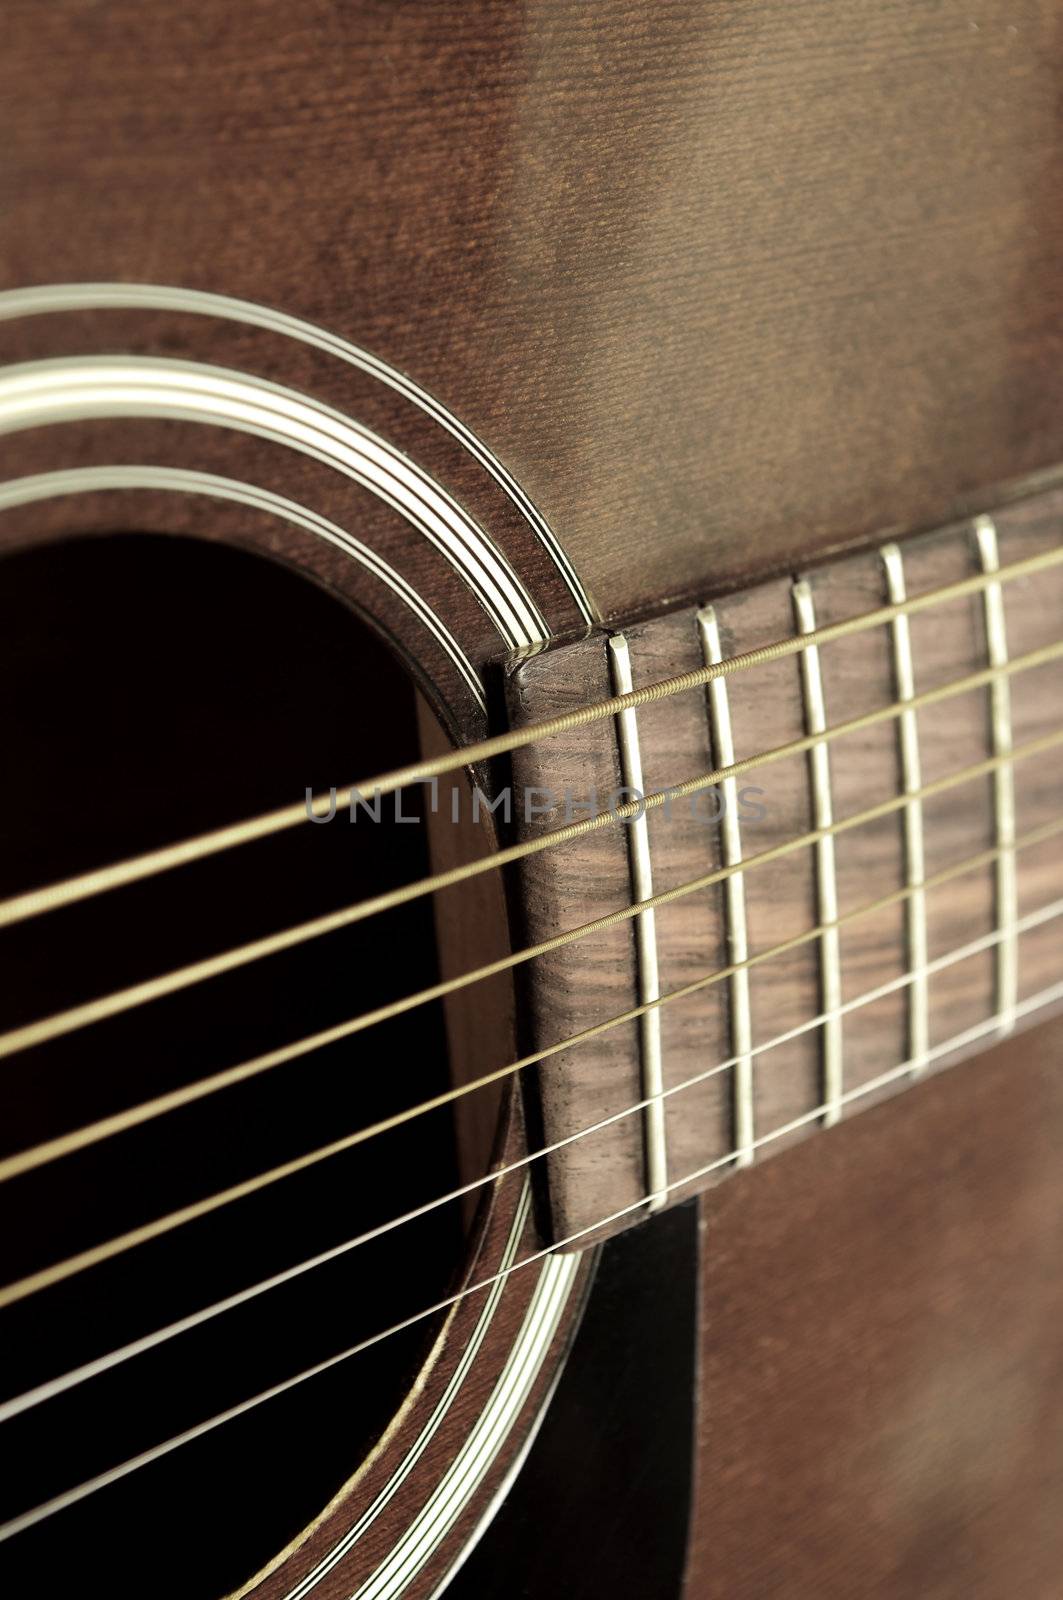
{"x":532,"y":619}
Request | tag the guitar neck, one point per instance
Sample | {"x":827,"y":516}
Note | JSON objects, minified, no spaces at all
{"x":848,"y":861}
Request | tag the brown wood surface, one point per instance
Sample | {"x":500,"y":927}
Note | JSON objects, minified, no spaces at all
{"x":568,"y":989}
{"x":596,"y":978}
{"x":409,"y":1471}
{"x":881,"y":1370}
{"x":720,"y":284}
{"x":56,"y":636}
{"x":727,"y":288}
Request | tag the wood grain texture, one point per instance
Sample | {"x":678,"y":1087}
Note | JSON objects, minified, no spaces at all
{"x":719,"y":284}
{"x":344,"y":1547}
{"x":596,"y":978}
{"x":726,"y":288}
{"x":198,"y":683}
{"x":881,"y":1378}
{"x":579,"y":984}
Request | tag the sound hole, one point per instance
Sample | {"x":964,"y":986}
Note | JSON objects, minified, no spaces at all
{"x":153,"y":689}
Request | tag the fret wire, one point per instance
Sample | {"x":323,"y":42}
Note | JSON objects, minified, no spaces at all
{"x":119,"y":1122}
{"x":59,"y":1385}
{"x":1046,"y":997}
{"x":58,"y":1272}
{"x":655,"y":1139}
{"x":1007,"y":889}
{"x":734,"y":900}
{"x":99,"y":1009}
{"x":36,"y":902}
{"x":830,"y":958}
{"x":911,"y":780}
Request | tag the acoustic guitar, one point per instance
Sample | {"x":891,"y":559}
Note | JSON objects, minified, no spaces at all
{"x":532,"y":624}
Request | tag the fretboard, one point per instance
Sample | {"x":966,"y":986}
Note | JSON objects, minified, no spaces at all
{"x":853,"y":912}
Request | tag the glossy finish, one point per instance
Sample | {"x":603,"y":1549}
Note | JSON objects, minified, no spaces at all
{"x":724,"y":288}
{"x":881,"y":1371}
{"x":830,"y":1020}
{"x":718,"y":284}
{"x":601,"y":1507}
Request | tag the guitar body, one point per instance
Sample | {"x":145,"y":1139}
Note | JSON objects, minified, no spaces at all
{"x":365,"y":367}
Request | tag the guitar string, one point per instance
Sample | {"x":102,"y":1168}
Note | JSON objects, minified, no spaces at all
{"x":135,"y":1116}
{"x":85,"y":1015}
{"x":55,"y":1386}
{"x":27,"y":1519}
{"x":94,"y":1255}
{"x":608,"y":709}
{"x":35,"y":902}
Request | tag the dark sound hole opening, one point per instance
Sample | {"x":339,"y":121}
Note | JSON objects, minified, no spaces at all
{"x":153,"y":688}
